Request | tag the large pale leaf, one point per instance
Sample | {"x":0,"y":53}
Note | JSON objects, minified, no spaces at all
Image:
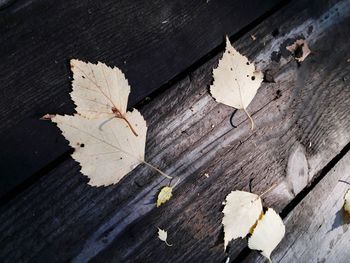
{"x":98,"y":90}
{"x":267,"y":234}
{"x":236,"y":80}
{"x":106,"y":148}
{"x":241,"y":211}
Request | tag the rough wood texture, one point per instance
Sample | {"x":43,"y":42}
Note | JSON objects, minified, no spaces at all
{"x":151,"y":41}
{"x":317,"y":230}
{"x":302,"y":116}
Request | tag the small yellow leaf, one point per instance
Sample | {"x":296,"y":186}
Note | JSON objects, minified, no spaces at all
{"x":164,"y":195}
{"x":347,"y":202}
{"x":163,"y":235}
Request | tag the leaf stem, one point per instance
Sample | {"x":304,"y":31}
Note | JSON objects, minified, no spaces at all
{"x":169,"y":245}
{"x":250,"y":118}
{"x":155,"y":168}
{"x":118,"y":114}
{"x":268,"y":190}
{"x":131,"y":128}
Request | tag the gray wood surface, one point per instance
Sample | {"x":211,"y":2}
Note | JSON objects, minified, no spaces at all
{"x":151,"y":41}
{"x":302,"y":123}
{"x":317,"y":230}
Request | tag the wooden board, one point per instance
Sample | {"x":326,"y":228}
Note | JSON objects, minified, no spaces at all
{"x":317,"y":230}
{"x":302,"y":116}
{"x":152,"y":42}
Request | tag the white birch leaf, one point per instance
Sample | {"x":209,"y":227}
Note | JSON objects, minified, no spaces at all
{"x":236,"y":80}
{"x":267,"y":234}
{"x":163,"y":235}
{"x":106,"y":148}
{"x":98,"y":90}
{"x":242,"y":210}
{"x":109,"y":141}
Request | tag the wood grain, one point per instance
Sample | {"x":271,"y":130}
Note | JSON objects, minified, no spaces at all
{"x":317,"y":230}
{"x":151,"y":42}
{"x":302,"y":116}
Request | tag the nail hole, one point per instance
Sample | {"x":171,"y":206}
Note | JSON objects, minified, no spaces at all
{"x":275,"y":32}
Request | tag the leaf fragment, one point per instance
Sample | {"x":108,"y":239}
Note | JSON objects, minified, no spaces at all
{"x":347,"y":202}
{"x":163,"y":235}
{"x":242,"y":210}
{"x":236,"y":80}
{"x":300,"y":50}
{"x":267,"y":234}
{"x":164,"y":195}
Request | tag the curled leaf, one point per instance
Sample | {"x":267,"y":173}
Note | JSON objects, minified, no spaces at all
{"x":236,"y":80}
{"x":267,"y":234}
{"x":241,"y":211}
{"x":163,"y":235}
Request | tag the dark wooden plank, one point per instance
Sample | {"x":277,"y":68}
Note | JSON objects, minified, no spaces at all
{"x":150,"y":41}
{"x":302,"y":116}
{"x":318,"y":228}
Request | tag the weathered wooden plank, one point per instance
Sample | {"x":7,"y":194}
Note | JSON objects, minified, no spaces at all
{"x":150,"y":41}
{"x":317,"y":230}
{"x":303,"y":116}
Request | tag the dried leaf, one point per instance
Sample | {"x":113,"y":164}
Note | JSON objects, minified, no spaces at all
{"x":109,"y":141}
{"x":236,"y":80}
{"x":241,"y":211}
{"x":347,"y":202}
{"x":105,"y":148}
{"x":267,"y":234}
{"x":300,"y":50}
{"x":164,"y":195}
{"x":163,"y":235}
{"x":97,"y":89}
